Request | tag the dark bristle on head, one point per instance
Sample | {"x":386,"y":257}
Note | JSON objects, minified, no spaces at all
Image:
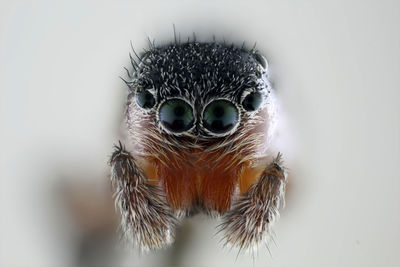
{"x":198,"y":70}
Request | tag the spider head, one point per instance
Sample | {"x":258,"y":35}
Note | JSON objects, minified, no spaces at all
{"x":199,"y":91}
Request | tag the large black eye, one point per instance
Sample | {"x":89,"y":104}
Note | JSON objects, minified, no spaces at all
{"x":145,"y":99}
{"x":220,"y":116}
{"x":176,"y":115}
{"x":252,"y":101}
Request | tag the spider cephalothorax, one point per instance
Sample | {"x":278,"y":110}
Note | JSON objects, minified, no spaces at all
{"x":200,"y":117}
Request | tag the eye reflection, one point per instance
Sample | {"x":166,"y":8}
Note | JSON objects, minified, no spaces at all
{"x":220,"y":116}
{"x":176,"y":115}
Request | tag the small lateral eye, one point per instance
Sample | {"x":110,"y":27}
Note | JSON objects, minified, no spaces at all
{"x":261,"y":60}
{"x":145,"y":99}
{"x":252,"y":101}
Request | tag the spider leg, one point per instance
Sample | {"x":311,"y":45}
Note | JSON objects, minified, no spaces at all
{"x":147,"y":219}
{"x":249,"y":221}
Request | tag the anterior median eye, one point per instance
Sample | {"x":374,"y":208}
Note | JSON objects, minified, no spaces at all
{"x":176,"y":115}
{"x":145,"y":99}
{"x":252,"y":101}
{"x":220,"y":116}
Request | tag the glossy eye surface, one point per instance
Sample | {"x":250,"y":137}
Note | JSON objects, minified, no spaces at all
{"x":220,"y":116}
{"x":176,"y":115}
{"x":252,"y":101}
{"x":145,"y":99}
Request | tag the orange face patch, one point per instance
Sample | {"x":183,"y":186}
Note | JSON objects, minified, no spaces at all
{"x":204,"y":182}
{"x":206,"y":179}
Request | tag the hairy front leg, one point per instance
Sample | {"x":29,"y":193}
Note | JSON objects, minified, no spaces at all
{"x":250,"y":218}
{"x":146,"y":218}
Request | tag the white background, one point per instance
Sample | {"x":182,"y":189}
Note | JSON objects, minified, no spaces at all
{"x":335,"y":66}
